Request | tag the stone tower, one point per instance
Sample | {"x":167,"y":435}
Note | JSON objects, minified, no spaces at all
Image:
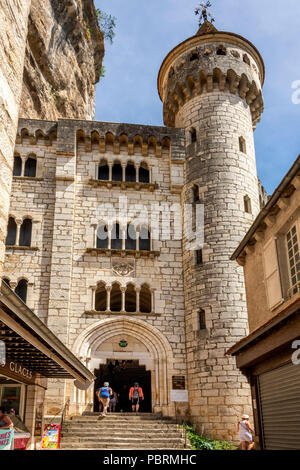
{"x":210,"y":85}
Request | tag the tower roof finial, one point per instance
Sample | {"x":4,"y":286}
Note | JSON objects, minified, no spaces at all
{"x":204,"y":15}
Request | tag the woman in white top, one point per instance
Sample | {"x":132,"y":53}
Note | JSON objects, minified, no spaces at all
{"x":245,"y":433}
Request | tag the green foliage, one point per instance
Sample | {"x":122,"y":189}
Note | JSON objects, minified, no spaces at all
{"x":103,"y":71}
{"x":53,"y":95}
{"x":107,"y":24}
{"x":204,"y":443}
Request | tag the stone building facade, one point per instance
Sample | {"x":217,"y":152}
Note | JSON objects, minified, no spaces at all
{"x":270,"y":354}
{"x":171,"y":308}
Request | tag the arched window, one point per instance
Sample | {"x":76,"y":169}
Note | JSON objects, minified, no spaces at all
{"x":130,"y":298}
{"x":130,"y":173}
{"x":17,"y":166}
{"x":103,"y":171}
{"x":201,"y":320}
{"x":144,"y":173}
{"x":144,"y":239}
{"x":246,"y":59}
{"x":6,"y":280}
{"x":242,"y":145}
{"x":115,"y":298}
{"x":30,"y":167}
{"x":117,"y":174}
{"x":137,"y":147}
{"x":247,"y":205}
{"x":25,"y":233}
{"x":194,"y":56}
{"x":116,"y":237}
{"x":101,"y":298}
{"x":130,"y":242}
{"x":221,"y":50}
{"x":102,"y":237}
{"x":193,"y":135}
{"x":11,"y":238}
{"x":145,"y":299}
{"x":21,"y":289}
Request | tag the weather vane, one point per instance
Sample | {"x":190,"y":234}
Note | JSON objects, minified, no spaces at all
{"x":202,"y":11}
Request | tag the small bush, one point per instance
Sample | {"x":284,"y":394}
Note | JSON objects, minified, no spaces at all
{"x":204,"y":443}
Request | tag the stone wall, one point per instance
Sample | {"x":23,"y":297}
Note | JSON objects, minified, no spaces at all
{"x":63,"y":60}
{"x":13,"y":33}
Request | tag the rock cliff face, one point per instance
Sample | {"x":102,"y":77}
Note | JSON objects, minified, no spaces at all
{"x":63,"y":61}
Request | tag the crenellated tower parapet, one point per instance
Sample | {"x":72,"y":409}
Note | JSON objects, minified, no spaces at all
{"x":211,"y":60}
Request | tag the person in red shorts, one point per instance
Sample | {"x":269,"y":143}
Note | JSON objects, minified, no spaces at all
{"x":135,"y":396}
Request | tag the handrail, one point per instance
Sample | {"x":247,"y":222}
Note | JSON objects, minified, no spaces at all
{"x":63,"y":415}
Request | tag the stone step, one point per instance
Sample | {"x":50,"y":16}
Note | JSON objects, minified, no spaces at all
{"x":93,"y":434}
{"x":115,"y":419}
{"x":92,"y":413}
{"x":103,"y":424}
{"x":142,"y":447}
{"x":122,"y":439}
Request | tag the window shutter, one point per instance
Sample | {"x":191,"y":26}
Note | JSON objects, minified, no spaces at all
{"x":272,"y":275}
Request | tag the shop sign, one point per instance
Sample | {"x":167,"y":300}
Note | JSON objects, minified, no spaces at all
{"x":51,"y":436}
{"x":6,"y":439}
{"x":17,"y":371}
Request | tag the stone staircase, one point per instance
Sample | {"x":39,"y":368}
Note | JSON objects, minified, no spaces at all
{"x":122,"y":431}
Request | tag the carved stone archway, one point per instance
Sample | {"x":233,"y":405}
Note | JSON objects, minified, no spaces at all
{"x":160,"y":360}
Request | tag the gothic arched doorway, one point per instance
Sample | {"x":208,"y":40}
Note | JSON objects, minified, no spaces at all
{"x":121,"y":375}
{"x":127,"y":339}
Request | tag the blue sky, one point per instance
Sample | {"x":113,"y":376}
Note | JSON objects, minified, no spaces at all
{"x":147,"y":30}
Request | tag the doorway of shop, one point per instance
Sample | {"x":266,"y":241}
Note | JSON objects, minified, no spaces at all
{"x":121,"y":375}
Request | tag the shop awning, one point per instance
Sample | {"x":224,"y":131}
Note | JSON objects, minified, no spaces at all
{"x":29,"y":343}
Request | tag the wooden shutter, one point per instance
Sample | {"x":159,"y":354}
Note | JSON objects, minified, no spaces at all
{"x":272,"y":274}
{"x":279,"y":393}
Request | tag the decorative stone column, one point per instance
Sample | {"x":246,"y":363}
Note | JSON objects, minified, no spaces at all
{"x":19,"y":224}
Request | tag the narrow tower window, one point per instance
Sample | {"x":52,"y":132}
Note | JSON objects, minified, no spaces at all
{"x":247,"y":205}
{"x":199,"y":257}
{"x":242,"y":145}
{"x":202,"y":319}
{"x":193,"y":135}
{"x":195,"y":191}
